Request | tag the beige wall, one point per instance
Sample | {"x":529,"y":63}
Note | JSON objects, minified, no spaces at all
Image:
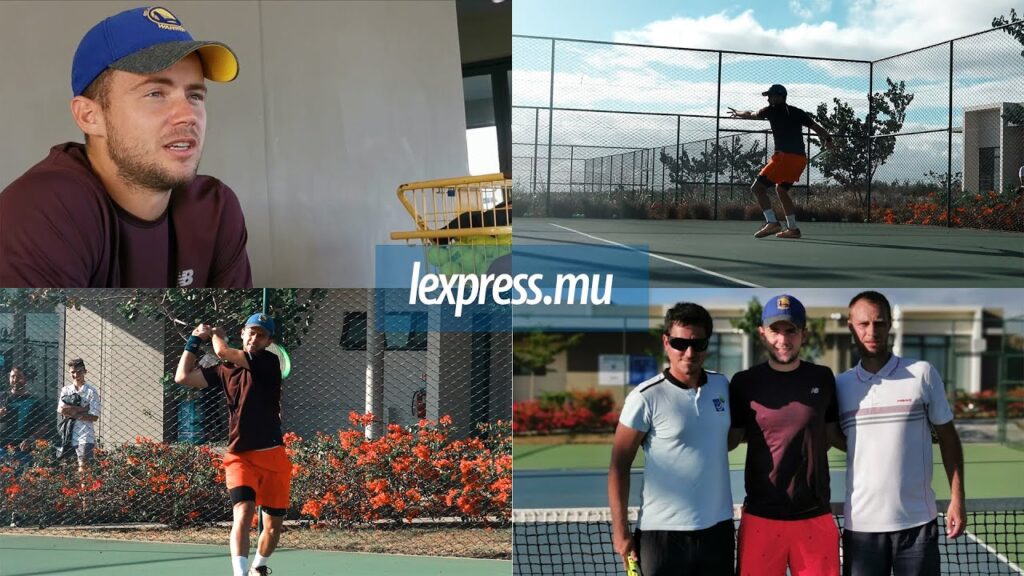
{"x":336,"y":104}
{"x":125,"y":362}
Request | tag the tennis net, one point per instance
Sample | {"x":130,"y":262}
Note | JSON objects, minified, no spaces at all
{"x":579,"y":540}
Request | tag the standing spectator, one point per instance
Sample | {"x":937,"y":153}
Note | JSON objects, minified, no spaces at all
{"x":22,"y":420}
{"x":79,"y":405}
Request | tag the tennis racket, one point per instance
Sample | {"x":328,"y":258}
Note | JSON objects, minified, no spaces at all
{"x":282,"y":355}
{"x":634,"y":567}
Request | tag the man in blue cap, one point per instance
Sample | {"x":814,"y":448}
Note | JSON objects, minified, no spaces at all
{"x":256,"y":466}
{"x":788,"y":161}
{"x":786,"y":411}
{"x":126,"y":209}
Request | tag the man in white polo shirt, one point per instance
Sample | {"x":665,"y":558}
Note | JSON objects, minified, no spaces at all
{"x":887,"y":408}
{"x":681,"y":417}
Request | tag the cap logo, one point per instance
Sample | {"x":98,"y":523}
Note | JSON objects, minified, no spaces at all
{"x":163,"y":18}
{"x":783,"y":303}
{"x":263,"y":317}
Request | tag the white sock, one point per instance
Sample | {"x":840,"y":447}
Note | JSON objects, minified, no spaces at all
{"x":239,"y":563}
{"x":259,"y":560}
{"x":791,"y":221}
{"x":769,"y":215}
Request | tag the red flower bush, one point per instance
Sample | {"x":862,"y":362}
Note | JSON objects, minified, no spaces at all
{"x":407,"y":474}
{"x":342,"y":479}
{"x":590,"y":411}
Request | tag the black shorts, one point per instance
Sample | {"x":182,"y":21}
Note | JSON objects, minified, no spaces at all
{"x":707,"y":552}
{"x":909,"y":552}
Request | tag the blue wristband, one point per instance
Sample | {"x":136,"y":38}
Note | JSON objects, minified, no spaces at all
{"x":193,"y":344}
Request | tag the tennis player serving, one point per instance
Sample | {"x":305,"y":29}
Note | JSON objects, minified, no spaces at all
{"x":256,"y":466}
{"x":788,"y":161}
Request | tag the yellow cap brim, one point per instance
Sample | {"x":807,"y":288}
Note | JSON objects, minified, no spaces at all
{"x":219,"y":62}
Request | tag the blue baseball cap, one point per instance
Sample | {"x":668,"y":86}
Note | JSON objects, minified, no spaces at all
{"x":145,"y":41}
{"x":784,"y":308}
{"x":261,"y":320}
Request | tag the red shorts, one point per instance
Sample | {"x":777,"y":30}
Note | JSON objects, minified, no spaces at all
{"x":784,"y":167}
{"x":810,"y":547}
{"x":268,"y":472}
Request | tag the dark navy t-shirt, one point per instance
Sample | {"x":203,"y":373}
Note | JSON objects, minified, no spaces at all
{"x":787,"y":123}
{"x":784,"y":416}
{"x":60,"y":229}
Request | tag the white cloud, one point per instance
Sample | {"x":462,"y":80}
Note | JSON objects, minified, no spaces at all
{"x":875,"y":29}
{"x":807,"y":9}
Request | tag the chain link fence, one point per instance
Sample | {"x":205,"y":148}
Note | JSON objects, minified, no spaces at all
{"x":398,"y":434}
{"x":619,"y":130}
{"x":579,"y":388}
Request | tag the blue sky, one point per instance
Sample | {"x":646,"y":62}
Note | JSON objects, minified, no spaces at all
{"x":600,"y":19}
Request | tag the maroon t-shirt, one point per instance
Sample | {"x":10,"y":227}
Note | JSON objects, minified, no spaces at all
{"x":784,"y":416}
{"x":60,"y":229}
{"x":253,"y":398}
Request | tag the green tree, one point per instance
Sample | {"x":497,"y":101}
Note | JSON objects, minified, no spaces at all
{"x":1016,"y":31}
{"x":814,"y":343}
{"x":740,"y":164}
{"x":533,"y":352}
{"x":847,"y":161}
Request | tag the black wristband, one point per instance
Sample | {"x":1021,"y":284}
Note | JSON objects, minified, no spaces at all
{"x":193,"y":344}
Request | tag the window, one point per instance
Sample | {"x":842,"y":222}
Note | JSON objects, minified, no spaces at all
{"x":725,"y":354}
{"x":353,"y":331}
{"x":949,"y":355}
{"x":405,"y":331}
{"x":487,"y":90}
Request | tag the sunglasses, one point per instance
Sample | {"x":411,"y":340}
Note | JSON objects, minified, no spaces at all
{"x":682,"y":344}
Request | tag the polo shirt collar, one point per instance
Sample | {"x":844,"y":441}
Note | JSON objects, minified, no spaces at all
{"x":887,"y":370}
{"x":672,"y":379}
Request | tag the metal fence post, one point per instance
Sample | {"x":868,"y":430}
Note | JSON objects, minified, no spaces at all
{"x":551,"y":113}
{"x":868,"y":176}
{"x":718,"y":126}
{"x":949,"y":147}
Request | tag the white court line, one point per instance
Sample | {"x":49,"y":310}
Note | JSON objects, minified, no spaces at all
{"x":1002,"y":558}
{"x":659,"y":257}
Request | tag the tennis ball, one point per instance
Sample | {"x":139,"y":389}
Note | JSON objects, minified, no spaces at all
{"x":436,"y":255}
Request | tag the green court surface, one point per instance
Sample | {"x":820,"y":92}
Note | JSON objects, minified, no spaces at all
{"x":706,"y":253}
{"x":24,"y":555}
{"x":991,"y":470}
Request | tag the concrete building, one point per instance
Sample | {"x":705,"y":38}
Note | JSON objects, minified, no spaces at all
{"x":993,"y":149}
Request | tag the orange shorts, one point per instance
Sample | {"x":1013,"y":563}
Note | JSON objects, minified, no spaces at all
{"x":810,"y":547}
{"x":268,"y":472}
{"x":784,"y":167}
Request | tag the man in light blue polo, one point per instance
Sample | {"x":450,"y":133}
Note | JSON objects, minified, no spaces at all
{"x":681,"y":418}
{"x":888,"y":407}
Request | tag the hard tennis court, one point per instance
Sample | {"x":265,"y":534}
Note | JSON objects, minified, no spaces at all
{"x":26,"y":555}
{"x":685,"y":253}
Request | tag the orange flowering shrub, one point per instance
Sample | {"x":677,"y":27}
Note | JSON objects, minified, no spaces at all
{"x":337,"y":479}
{"x":989,"y":211}
{"x":144,"y":481}
{"x":409,"y":473}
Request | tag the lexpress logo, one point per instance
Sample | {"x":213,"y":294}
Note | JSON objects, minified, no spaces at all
{"x":461,"y":290}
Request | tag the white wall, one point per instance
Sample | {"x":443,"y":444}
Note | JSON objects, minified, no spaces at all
{"x":336,"y":104}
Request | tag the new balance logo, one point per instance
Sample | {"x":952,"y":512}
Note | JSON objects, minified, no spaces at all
{"x":185,"y":278}
{"x":814,"y":390}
